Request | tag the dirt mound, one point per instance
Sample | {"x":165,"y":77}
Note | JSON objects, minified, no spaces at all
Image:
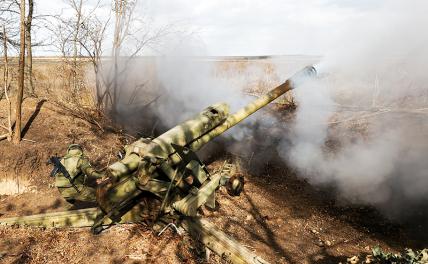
{"x":48,"y":130}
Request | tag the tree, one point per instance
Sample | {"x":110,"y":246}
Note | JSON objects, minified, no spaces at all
{"x":6,"y":85}
{"x":69,"y":33}
{"x":20,"y":92}
{"x":92,"y":43}
{"x":83,"y":33}
{"x":123,"y":10}
{"x":135,"y":39}
{"x":28,"y":43}
{"x":77,"y":7}
{"x":10,"y":16}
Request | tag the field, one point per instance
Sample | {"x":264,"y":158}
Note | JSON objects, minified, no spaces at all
{"x":280,"y":215}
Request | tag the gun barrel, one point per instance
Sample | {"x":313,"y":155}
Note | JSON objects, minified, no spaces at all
{"x":252,"y":107}
{"x":196,"y":132}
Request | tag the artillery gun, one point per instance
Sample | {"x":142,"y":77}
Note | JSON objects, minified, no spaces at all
{"x":162,"y":179}
{"x":167,"y":169}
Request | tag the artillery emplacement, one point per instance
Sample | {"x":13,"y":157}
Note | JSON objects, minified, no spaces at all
{"x":168,"y":168}
{"x":162,"y":179}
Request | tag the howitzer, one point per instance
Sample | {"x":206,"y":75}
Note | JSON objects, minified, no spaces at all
{"x":163,"y":179}
{"x":167,"y":170}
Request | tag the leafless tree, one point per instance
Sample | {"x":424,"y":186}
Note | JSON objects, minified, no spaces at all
{"x":20,"y":92}
{"x":70,"y":33}
{"x":123,"y":10}
{"x":28,"y":44}
{"x":135,"y":38}
{"x":6,"y":85}
{"x":10,"y":16}
{"x":6,"y":21}
{"x":77,"y":7}
{"x":84,"y":34}
{"x":92,"y":43}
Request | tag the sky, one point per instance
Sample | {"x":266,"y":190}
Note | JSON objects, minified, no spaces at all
{"x":246,"y":27}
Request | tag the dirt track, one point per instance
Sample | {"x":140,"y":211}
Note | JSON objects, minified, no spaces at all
{"x":279,"y":216}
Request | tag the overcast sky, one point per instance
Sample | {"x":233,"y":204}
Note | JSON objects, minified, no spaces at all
{"x":250,"y":27}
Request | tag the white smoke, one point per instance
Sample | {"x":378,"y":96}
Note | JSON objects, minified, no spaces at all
{"x":189,"y":81}
{"x":179,"y":84}
{"x":371,"y":100}
{"x":361,"y":126}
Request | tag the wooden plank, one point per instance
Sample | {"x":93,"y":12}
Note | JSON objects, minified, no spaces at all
{"x":75,"y":218}
{"x":219,"y":242}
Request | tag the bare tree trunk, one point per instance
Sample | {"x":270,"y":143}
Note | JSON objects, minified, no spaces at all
{"x":20,"y":92}
{"x":98,"y":88}
{"x":78,"y":7}
{"x":6,"y":85}
{"x":114,"y":104}
{"x":29,"y":47}
{"x":119,"y":12}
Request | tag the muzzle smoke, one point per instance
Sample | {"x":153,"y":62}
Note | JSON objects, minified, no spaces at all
{"x":362,"y":126}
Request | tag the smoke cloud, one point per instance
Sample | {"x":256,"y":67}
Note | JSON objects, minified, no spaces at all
{"x":168,"y":89}
{"x":361,"y":126}
{"x":370,"y":101}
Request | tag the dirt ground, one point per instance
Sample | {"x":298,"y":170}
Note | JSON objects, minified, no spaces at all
{"x":279,"y":216}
